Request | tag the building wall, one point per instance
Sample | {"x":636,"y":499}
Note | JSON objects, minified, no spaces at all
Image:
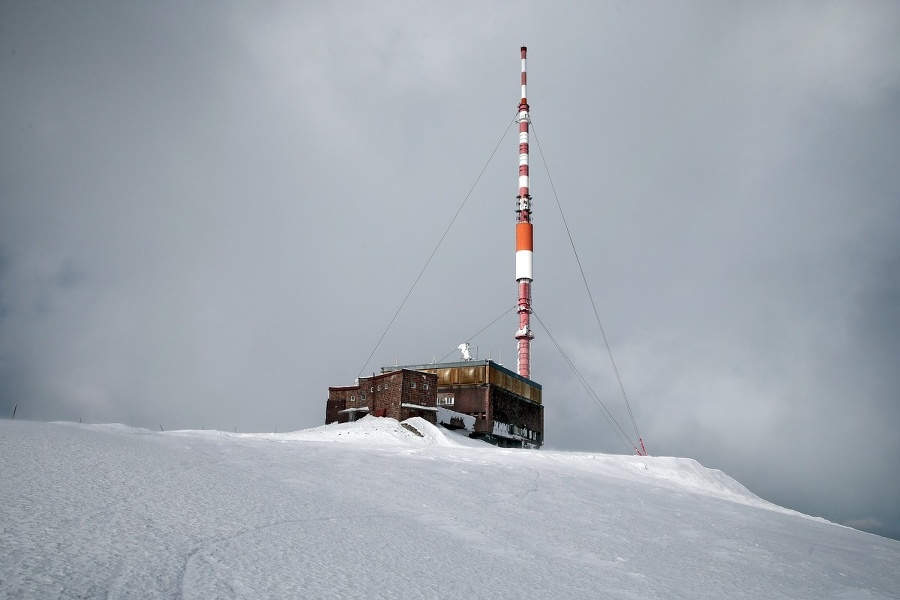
{"x":338,"y":398}
{"x":384,"y":396}
{"x":470,"y":400}
{"x":419,"y":389}
{"x":507,"y":408}
{"x":471,"y":373}
{"x":526,"y":418}
{"x":332,"y":411}
{"x":385,"y":391}
{"x":493,"y":405}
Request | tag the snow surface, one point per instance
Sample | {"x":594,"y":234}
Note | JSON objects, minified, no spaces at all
{"x":372,"y":510}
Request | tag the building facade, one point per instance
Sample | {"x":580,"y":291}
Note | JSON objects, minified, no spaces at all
{"x":488,"y":400}
{"x":506,"y":406}
{"x":400,"y":394}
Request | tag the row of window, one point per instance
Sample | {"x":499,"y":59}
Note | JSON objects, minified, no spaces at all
{"x":523,"y":431}
{"x":386,"y":387}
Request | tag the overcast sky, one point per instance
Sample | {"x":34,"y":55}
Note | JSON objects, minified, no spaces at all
{"x":212,"y":210}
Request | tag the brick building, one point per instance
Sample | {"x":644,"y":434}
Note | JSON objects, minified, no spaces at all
{"x":399,"y":394}
{"x":504,"y":407}
{"x":507,"y":406}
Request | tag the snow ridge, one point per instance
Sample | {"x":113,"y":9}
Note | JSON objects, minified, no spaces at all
{"x":373,"y":510}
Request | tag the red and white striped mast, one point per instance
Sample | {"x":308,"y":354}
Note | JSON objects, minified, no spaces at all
{"x":524,"y":239}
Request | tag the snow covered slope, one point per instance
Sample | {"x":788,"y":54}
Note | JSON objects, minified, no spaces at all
{"x":375,"y":510}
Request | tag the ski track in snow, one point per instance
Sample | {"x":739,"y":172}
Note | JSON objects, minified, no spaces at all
{"x":371,"y":510}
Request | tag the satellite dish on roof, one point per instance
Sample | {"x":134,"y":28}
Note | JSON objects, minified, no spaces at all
{"x":464,"y":348}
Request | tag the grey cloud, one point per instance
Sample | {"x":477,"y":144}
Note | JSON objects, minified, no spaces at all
{"x":210,"y":213}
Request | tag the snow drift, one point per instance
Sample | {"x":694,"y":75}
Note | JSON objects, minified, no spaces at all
{"x":373,"y":509}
